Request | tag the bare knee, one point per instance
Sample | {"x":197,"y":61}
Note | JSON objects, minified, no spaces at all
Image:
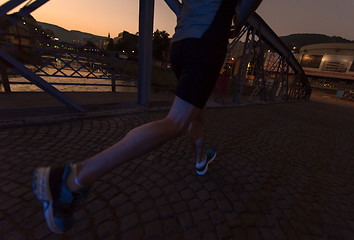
{"x":179,"y":127}
{"x":181,"y":115}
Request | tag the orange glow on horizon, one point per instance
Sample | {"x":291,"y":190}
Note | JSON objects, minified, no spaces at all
{"x":114,"y":16}
{"x":110,"y":16}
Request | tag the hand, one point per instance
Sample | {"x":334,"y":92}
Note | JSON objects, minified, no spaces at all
{"x":235,"y":28}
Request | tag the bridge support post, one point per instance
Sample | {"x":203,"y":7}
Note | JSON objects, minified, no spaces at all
{"x":146,"y":20}
{"x":113,"y":73}
{"x":4,"y":77}
{"x":242,"y":71}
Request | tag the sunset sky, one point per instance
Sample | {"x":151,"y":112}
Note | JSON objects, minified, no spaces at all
{"x":333,"y":18}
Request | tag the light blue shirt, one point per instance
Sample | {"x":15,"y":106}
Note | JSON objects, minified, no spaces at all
{"x":193,"y":17}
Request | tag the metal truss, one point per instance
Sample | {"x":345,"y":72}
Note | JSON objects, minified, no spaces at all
{"x":75,"y":62}
{"x":24,"y":12}
{"x":17,"y":66}
{"x":261,"y":79}
{"x":38,"y":81}
{"x":145,"y":53}
{"x":284,"y":79}
{"x":146,"y":20}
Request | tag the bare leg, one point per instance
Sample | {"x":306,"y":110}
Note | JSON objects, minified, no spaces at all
{"x":138,"y":142}
{"x":195,"y":133}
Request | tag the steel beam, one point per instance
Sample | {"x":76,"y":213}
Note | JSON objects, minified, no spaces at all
{"x":146,"y":20}
{"x":24,"y":11}
{"x":4,"y":77}
{"x":241,"y":76}
{"x":9,"y":5}
{"x":39,"y":82}
{"x":274,"y":41}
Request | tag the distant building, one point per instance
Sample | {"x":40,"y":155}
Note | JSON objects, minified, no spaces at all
{"x":125,"y":43}
{"x":24,"y":33}
{"x":97,"y":41}
{"x":107,"y":41}
{"x":125,"y":36}
{"x":79,"y":41}
{"x":20,"y":33}
{"x":329,"y":65}
{"x":233,"y":59}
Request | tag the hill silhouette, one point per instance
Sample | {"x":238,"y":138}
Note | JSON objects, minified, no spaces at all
{"x":293,"y":40}
{"x":69,"y":36}
{"x":302,"y":39}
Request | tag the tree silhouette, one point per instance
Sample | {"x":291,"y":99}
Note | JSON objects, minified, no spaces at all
{"x":127,"y":42}
{"x":161,"y":43}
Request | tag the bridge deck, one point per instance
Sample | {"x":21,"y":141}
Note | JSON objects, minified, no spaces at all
{"x":283,"y":171}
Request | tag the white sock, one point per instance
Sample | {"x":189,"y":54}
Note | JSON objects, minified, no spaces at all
{"x":72,"y":182}
{"x":200,"y":164}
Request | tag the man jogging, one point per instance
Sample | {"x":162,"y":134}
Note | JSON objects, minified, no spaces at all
{"x":198,"y":51}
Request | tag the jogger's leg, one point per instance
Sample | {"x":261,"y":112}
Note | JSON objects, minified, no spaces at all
{"x":62,"y":189}
{"x":138,"y":142}
{"x":195,"y":132}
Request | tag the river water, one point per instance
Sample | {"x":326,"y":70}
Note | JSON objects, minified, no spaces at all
{"x":80,"y":83}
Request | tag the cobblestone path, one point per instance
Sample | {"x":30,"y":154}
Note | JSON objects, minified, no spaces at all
{"x":283,"y":171}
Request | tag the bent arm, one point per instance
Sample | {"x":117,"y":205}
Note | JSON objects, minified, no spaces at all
{"x":246,"y":8}
{"x":175,"y":6}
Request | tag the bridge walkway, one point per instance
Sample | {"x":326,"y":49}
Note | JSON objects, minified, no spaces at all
{"x":283,"y":171}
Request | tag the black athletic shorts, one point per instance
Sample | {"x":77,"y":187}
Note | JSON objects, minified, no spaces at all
{"x":196,"y":63}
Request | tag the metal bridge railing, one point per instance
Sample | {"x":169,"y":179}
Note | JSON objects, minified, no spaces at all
{"x":252,"y":81}
{"x":256,"y":75}
{"x":146,"y":12}
{"x":64,"y":64}
{"x":62,"y":61}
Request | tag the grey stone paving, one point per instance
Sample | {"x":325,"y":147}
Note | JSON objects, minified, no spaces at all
{"x":283,"y":171}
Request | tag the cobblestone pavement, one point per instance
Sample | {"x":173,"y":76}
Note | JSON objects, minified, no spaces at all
{"x":283,"y":171}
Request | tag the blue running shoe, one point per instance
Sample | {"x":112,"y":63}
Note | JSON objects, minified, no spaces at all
{"x":59,"y":202}
{"x":210,"y":155}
